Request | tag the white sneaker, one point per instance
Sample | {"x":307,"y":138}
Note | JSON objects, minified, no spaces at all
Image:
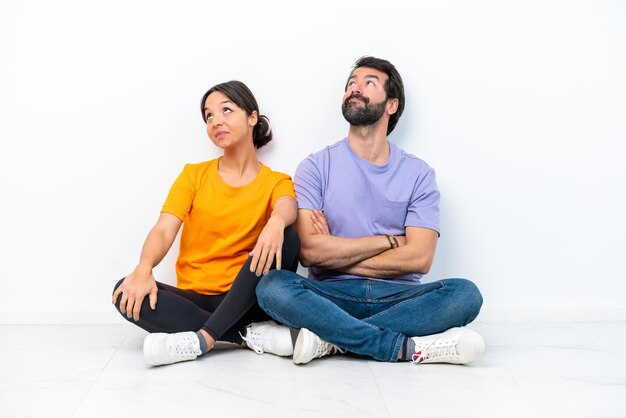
{"x":310,"y":346}
{"x":160,"y":348}
{"x":269,"y":337}
{"x":456,"y":346}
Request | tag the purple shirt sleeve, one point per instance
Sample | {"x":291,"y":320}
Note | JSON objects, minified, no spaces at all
{"x":423,"y":210}
{"x":308,"y":185}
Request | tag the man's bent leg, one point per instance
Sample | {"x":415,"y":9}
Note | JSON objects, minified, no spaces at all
{"x":425,"y":309}
{"x":302,"y":303}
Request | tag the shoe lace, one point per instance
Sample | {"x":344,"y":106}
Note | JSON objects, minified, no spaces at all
{"x":256,"y":341}
{"x":434,"y":351}
{"x":325,"y":348}
{"x":182,"y":346}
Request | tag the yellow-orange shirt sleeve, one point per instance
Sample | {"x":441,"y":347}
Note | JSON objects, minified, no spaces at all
{"x":284,"y":187}
{"x":181,"y":195}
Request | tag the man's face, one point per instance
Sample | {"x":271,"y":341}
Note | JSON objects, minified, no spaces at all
{"x":365,"y":100}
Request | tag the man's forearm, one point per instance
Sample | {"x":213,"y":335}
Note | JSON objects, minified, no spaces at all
{"x":338,"y":253}
{"x":391,"y":263}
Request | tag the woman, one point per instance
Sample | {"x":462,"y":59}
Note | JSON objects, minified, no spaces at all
{"x":234,"y":211}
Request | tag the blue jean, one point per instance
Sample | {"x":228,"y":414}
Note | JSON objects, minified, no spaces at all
{"x":368,"y":317}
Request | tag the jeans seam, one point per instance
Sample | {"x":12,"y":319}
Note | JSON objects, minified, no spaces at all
{"x":326,"y":293}
{"x":403,"y":299}
{"x":407,"y":300}
{"x":397,"y":346}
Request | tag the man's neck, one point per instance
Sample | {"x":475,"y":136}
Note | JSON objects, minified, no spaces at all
{"x":369,"y":143}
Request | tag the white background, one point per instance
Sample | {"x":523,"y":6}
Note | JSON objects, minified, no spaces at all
{"x":519,"y":106}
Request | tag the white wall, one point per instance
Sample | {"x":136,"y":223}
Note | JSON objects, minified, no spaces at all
{"x":519,"y":106}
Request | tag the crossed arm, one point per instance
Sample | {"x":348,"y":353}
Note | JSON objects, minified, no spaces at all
{"x":366,"y":256}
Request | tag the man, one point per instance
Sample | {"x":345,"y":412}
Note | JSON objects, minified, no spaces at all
{"x":368,"y":221}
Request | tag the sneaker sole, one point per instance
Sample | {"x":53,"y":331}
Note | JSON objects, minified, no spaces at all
{"x":303,"y":340}
{"x":472,"y":346}
{"x":148,"y":351}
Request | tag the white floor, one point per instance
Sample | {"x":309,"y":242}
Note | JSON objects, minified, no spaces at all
{"x":530,"y":369}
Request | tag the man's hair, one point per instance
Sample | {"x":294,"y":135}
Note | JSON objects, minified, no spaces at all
{"x":394,"y":87}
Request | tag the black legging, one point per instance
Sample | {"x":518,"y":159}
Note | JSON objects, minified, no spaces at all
{"x":222,"y":316}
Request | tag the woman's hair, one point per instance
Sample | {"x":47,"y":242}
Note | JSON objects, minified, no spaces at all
{"x":241,"y":95}
{"x":394,"y":87}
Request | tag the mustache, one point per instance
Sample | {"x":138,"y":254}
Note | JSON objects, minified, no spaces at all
{"x":356,"y":96}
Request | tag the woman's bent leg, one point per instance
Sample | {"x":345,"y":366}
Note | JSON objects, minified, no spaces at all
{"x":239,"y":308}
{"x":176,"y":310}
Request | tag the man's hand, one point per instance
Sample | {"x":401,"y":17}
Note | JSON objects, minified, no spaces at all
{"x":134,"y":289}
{"x":320,"y":224}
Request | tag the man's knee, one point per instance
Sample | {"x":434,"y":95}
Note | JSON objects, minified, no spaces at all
{"x":271,"y":289}
{"x":472,"y":299}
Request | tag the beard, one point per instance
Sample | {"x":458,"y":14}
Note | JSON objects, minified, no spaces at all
{"x":365,"y":115}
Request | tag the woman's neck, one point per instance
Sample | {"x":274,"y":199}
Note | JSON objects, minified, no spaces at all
{"x":238,"y":167}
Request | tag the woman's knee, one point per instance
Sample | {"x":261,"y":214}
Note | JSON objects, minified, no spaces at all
{"x":291,"y":248}
{"x":118,"y":284}
{"x":115,"y":288}
{"x":292,"y":239}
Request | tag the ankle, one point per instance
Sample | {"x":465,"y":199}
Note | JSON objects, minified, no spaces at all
{"x":407,"y":349}
{"x":206,"y":341}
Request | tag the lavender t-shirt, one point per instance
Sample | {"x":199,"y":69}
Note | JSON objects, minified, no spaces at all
{"x":362,"y":199}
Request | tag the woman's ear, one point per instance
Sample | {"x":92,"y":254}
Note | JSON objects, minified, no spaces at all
{"x":253,"y":118}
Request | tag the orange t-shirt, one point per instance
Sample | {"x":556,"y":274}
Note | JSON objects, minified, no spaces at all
{"x":221,"y":223}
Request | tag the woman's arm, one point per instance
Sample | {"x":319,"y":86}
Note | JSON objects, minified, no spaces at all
{"x":270,"y":242}
{"x":141,"y":282}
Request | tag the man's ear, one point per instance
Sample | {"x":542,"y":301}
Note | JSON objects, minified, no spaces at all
{"x":392,"y":106}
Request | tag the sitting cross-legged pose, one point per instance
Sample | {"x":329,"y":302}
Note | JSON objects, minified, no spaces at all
{"x":368,"y":220}
{"x":236,"y":215}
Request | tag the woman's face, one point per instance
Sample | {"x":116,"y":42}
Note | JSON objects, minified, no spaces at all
{"x":226,"y":123}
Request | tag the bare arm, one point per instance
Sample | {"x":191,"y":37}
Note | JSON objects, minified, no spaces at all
{"x":324,"y":250}
{"x":415,"y":255}
{"x":141,"y":282}
{"x":270,"y":241}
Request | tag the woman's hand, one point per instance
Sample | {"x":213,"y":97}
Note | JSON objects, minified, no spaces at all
{"x":270,"y":242}
{"x":134,"y":289}
{"x":141,"y":282}
{"x":268,"y":246}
